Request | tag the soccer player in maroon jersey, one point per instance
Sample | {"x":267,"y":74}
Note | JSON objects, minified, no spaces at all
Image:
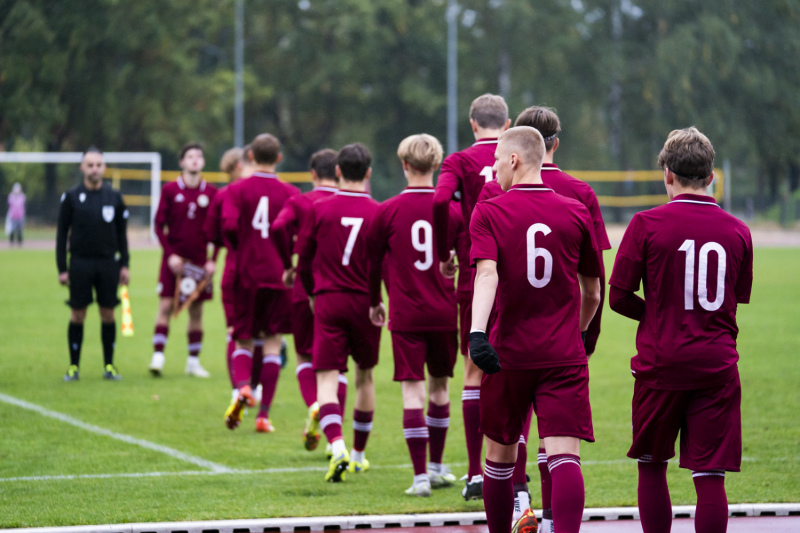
{"x":179,"y":226}
{"x":696,"y":264}
{"x":291,"y":218}
{"x":261,"y":302}
{"x":464,"y":174}
{"x":334,"y":241}
{"x":537,"y":261}
{"x":422,"y":311}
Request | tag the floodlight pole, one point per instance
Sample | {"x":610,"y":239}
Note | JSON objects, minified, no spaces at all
{"x":452,"y":76}
{"x":238,"y":106}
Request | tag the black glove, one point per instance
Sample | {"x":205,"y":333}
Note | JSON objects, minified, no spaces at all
{"x":482,"y":353}
{"x":583,"y":336}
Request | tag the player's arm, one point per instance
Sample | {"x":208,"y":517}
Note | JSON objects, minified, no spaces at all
{"x":376,"y":251}
{"x":744,"y":282}
{"x":449,"y":182}
{"x":484,"y":257}
{"x":590,"y":269}
{"x":627,"y":273}
{"x":160,"y":223}
{"x":283,"y":229}
{"x":121,"y":221}
{"x":231,"y":210}
{"x":590,"y":299}
{"x":306,"y":250}
{"x":626,"y":303}
{"x":64,"y":223}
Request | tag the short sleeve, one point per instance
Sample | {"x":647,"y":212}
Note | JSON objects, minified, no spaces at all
{"x":484,"y":244}
{"x":744,"y":282}
{"x":589,"y":261}
{"x":598,"y":224}
{"x":629,"y":264}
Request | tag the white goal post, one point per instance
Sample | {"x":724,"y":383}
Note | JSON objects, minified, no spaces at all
{"x":149,"y":158}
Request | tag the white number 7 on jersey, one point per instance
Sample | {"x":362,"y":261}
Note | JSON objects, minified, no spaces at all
{"x":355,"y":225}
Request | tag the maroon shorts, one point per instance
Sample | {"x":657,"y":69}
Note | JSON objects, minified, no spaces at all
{"x":560,"y":399}
{"x":342,"y":328}
{"x":166,"y":284}
{"x":464,"y":319}
{"x":413,"y":349}
{"x":709,"y":421}
{"x":257,"y":311}
{"x":303,"y":328}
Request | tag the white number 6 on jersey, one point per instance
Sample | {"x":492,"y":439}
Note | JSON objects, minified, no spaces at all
{"x":534,"y":252}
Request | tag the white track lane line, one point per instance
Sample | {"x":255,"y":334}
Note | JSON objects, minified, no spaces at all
{"x":197,"y":461}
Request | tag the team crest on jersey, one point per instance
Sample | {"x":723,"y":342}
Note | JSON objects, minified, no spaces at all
{"x":82,"y":197}
{"x":202,"y":200}
{"x":179,"y":197}
{"x":108,"y":213}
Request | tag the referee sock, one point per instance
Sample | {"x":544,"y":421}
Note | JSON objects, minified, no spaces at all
{"x":258,"y":361}
{"x":711,"y":515}
{"x":160,"y":338}
{"x":307,"y":379}
{"x":416,"y":434}
{"x":108,"y":334}
{"x":75,"y":340}
{"x":195,"y":340}
{"x":470,"y":401}
{"x":655,"y":507}
{"x":362,"y":425}
{"x":438,"y":420}
{"x":498,"y":496}
{"x":568,"y":492}
{"x":270,"y":371}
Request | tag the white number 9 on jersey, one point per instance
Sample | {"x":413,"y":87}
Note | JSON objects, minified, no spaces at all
{"x":425,"y":245}
{"x":534,"y":252}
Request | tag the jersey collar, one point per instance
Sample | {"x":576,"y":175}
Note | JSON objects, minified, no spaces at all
{"x":265,"y":175}
{"x":550,"y":166}
{"x":530,"y":187}
{"x":695,"y":199}
{"x":418,"y":189}
{"x":326,"y":189}
{"x":182,"y":184}
{"x":488,"y":140}
{"x":357,"y":194}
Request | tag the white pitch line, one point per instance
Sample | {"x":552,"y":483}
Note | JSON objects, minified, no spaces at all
{"x":198,"y":461}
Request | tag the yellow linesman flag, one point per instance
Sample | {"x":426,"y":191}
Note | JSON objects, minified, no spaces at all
{"x":127,"y":317}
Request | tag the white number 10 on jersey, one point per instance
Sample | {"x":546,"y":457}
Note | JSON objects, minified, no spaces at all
{"x":702,"y":276}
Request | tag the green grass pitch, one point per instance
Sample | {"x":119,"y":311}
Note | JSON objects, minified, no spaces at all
{"x":187,"y":415}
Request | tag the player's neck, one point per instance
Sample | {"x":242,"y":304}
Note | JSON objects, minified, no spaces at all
{"x":548,"y":157}
{"x":354,"y":186}
{"x":331,"y":184}
{"x":92,"y":185}
{"x":485,"y":133}
{"x":267,"y":169}
{"x":528,"y":178}
{"x":677,"y":190}
{"x":191,"y":179}
{"x":419,"y":180}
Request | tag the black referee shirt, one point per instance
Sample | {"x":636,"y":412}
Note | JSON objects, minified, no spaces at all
{"x":96,"y":222}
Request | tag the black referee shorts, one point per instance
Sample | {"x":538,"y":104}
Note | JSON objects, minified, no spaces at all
{"x":85,"y":273}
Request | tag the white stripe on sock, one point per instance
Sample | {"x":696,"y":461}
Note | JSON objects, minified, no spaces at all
{"x":343,"y":379}
{"x":470,"y":395}
{"x":522,"y":439}
{"x":272,"y":359}
{"x":715,"y":473}
{"x":362,"y":426}
{"x":160,"y":338}
{"x":498,"y":473}
{"x":258,"y":343}
{"x":542,"y":458}
{"x":437,"y":422}
{"x":237,"y":353}
{"x":301,"y":367}
{"x":330,"y":419}
{"x":416,"y":433}
{"x":195,"y":346}
{"x":558,"y":462}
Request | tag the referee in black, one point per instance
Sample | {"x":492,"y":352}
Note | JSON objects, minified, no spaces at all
{"x":94,"y":219}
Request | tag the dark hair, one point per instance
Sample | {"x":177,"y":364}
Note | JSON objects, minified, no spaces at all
{"x":354,"y":161}
{"x":266,"y":148}
{"x":543,"y":119}
{"x":194,"y":145}
{"x":323,"y":162}
{"x":489,"y":111}
{"x":92,"y":150}
{"x":689,"y":155}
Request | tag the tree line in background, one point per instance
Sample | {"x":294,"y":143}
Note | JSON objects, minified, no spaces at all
{"x":149,"y":75}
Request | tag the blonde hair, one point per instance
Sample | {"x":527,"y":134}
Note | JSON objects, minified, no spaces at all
{"x":422,"y":152}
{"x":527,"y":142}
{"x":230,"y":159}
{"x":489,"y":111}
{"x":689,"y":155}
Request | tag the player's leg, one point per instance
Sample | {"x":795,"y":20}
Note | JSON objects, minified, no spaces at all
{"x":166,"y":292}
{"x":268,"y":380}
{"x":441,"y":354}
{"x":498,"y":489}
{"x":362,"y":418}
{"x":242,"y":358}
{"x":568,"y":492}
{"x":107,"y":286}
{"x":522,"y":495}
{"x":80,"y":296}
{"x":255,"y":372}
{"x":470,"y":400}
{"x":331,"y":423}
{"x":194,"y":334}
{"x":546,"y":484}
{"x":416,"y":433}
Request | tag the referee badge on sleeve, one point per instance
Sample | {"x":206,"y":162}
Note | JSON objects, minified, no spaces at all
{"x":108,"y":213}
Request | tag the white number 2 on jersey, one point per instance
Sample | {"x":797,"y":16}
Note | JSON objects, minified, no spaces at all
{"x":261,"y":217}
{"x":487,"y":173}
{"x":534,"y":252}
{"x":355,"y":227}
{"x":425,"y":246}
{"x":702,"y":276}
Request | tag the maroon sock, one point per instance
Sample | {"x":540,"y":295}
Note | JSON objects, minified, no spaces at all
{"x":270,"y":371}
{"x":547,"y":485}
{"x":229,"y":359}
{"x":195,"y":339}
{"x":160,"y":338}
{"x":470,"y":401}
{"x":241,"y":364}
{"x":258,"y":361}
{"x":341,"y":393}
{"x":498,"y":496}
{"x":330,"y":420}
{"x":438,"y":421}
{"x":416,"y":433}
{"x":711,"y":515}
{"x":362,"y":425}
{"x":568,"y":492}
{"x":520,"y":468}
{"x":655,"y":507}
{"x":307,"y":379}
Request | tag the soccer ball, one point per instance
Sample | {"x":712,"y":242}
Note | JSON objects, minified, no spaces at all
{"x":527,"y":523}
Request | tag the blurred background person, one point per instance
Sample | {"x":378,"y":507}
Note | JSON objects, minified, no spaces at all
{"x":15,"y":219}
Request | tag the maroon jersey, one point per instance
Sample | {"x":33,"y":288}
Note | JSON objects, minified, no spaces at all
{"x":461,"y":244}
{"x":212,"y":228}
{"x":541,"y":241}
{"x":292,"y":217}
{"x":180,"y":217}
{"x":334,"y":239}
{"x":696,"y":262}
{"x":419,"y":296}
{"x":248,"y":212}
{"x":465,"y":172}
